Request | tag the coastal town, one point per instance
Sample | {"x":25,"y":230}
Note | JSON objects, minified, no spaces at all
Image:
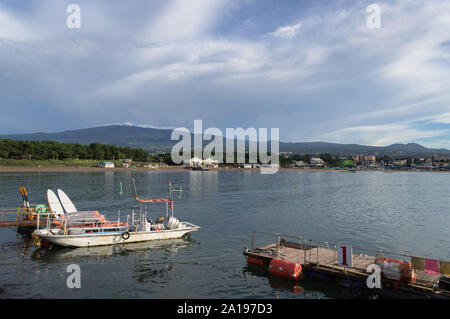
{"x":435,"y":162}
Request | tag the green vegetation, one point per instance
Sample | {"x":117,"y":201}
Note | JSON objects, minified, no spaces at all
{"x":54,"y":154}
{"x":59,"y":163}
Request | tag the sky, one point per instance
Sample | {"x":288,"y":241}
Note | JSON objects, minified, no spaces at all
{"x":313,"y":69}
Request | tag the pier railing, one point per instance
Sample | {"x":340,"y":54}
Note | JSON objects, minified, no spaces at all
{"x":22,"y":216}
{"x":16,"y":214}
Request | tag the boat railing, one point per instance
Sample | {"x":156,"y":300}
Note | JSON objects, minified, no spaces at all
{"x":190,"y":225}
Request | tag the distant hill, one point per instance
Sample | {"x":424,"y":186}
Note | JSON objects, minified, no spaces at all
{"x":153,"y":139}
{"x":150,"y":139}
{"x":410,"y":149}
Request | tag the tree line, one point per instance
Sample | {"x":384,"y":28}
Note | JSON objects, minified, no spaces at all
{"x":45,"y":150}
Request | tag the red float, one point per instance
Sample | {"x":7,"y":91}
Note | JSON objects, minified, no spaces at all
{"x":285,"y":269}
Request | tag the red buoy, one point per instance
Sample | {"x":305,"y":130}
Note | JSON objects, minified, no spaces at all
{"x":285,"y":269}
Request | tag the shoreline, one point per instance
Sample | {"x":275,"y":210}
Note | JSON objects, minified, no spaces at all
{"x":27,"y":169}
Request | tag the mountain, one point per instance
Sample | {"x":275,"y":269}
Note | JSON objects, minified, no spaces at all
{"x":153,"y":139}
{"x":410,"y":149}
{"x":150,"y":139}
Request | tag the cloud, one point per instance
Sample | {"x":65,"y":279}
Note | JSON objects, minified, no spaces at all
{"x":286,"y":32}
{"x":442,"y":118}
{"x":13,"y":28}
{"x":141,"y":125}
{"x":170,"y":62}
{"x":381,"y":135}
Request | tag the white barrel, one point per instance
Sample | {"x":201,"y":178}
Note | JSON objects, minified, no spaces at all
{"x":172,"y":223}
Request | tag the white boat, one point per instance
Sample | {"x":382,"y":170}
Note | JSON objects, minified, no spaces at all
{"x":101,"y":236}
{"x":73,"y":233}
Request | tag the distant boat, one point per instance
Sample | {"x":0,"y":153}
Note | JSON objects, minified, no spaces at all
{"x":199,"y":168}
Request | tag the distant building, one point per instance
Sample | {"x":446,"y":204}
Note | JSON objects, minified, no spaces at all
{"x":365,"y":160}
{"x":300,"y":164}
{"x":399,"y":162}
{"x":106,"y":165}
{"x":198,"y":162}
{"x":316,"y":162}
{"x":209,"y":162}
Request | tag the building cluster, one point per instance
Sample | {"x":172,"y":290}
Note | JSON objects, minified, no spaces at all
{"x":313,"y":162}
{"x":371,"y":162}
{"x":198,"y":162}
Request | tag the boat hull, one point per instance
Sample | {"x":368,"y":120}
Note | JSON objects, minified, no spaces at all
{"x":89,"y":240}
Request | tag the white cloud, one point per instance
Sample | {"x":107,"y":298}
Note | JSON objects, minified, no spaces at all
{"x":287,"y":31}
{"x":141,"y":125}
{"x":338,"y":81}
{"x":183,"y":20}
{"x":442,"y":118}
{"x":16,"y":29}
{"x":381,"y":135}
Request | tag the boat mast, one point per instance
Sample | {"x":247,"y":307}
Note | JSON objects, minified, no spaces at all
{"x":170,"y":195}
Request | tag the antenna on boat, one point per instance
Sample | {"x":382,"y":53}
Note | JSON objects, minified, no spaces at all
{"x":170,"y":195}
{"x":135,"y":192}
{"x":173,"y":190}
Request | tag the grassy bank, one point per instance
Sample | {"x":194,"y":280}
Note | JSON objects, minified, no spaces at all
{"x":57,"y":163}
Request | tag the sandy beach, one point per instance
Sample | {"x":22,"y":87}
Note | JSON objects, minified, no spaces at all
{"x":27,"y":169}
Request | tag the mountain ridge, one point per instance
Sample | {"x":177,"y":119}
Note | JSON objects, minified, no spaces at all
{"x":158,"y":139}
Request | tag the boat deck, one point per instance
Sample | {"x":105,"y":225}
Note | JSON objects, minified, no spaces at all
{"x":324,"y":260}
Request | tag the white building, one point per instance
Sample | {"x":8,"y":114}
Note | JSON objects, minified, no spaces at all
{"x":209,"y":162}
{"x":300,"y":164}
{"x":106,"y":165}
{"x":316,"y":162}
{"x":198,"y":162}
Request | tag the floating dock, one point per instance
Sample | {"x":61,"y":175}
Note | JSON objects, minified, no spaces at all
{"x":320,"y":261}
{"x":23,"y":223}
{"x":23,"y":217}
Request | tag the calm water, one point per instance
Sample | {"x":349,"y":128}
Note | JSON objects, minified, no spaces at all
{"x":400,"y":212}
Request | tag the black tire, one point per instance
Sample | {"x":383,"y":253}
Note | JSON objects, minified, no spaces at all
{"x":125,"y":235}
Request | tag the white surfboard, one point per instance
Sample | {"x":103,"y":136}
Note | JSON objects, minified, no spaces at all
{"x":54,"y":204}
{"x":69,"y":207}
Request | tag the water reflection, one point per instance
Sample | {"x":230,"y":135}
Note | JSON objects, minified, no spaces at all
{"x":203,"y":182}
{"x":57,"y":254}
{"x":109,"y":185}
{"x":305,"y":288}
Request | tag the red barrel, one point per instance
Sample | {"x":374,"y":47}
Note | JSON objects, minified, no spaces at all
{"x":285,"y":269}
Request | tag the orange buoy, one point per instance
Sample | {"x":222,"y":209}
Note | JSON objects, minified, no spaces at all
{"x":285,"y":269}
